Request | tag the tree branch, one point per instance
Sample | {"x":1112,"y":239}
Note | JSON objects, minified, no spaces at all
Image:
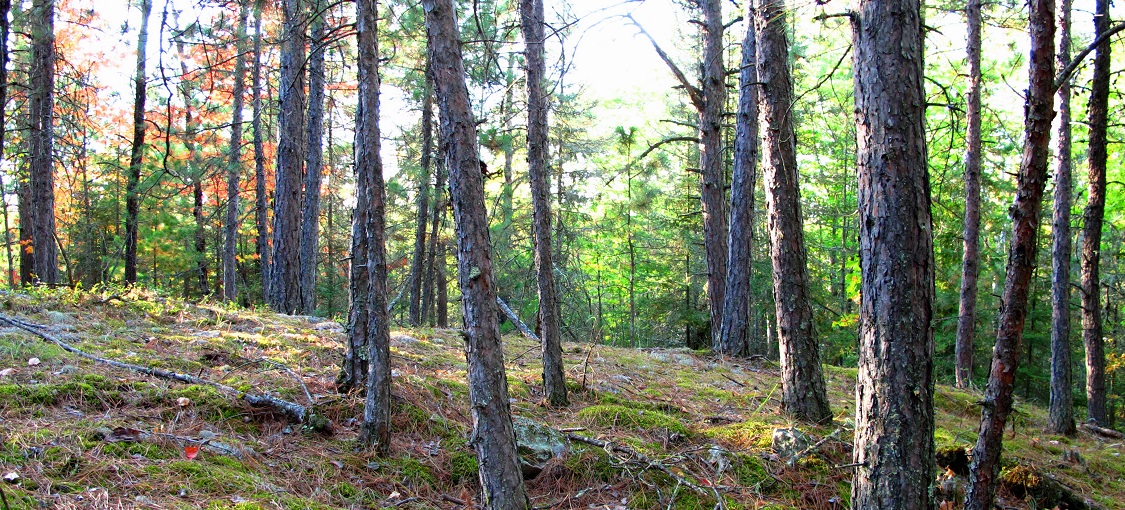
{"x":666,"y":141}
{"x":1070,"y":68}
{"x":694,"y":92}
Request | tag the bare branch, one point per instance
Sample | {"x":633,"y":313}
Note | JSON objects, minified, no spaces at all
{"x":1069,"y":70}
{"x":694,"y":92}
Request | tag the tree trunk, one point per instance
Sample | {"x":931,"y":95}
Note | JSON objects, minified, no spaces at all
{"x":284,"y":291}
{"x":314,"y":167}
{"x":5,"y":26}
{"x":1092,"y":220}
{"x":354,"y":373}
{"x":735,"y":332}
{"x":803,"y":390}
{"x":132,"y":201}
{"x":234,"y":161}
{"x":434,"y":264}
{"x":1032,"y":180}
{"x":417,"y":264}
{"x":713,"y":190}
{"x":1060,"y":415}
{"x":501,"y":478}
{"x":554,"y":381}
{"x":369,"y":167}
{"x":41,"y":101}
{"x":894,"y":432}
{"x":261,"y":198}
{"x":970,"y":261}
{"x":196,"y":173}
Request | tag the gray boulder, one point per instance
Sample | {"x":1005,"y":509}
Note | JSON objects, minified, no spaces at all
{"x":537,"y":444}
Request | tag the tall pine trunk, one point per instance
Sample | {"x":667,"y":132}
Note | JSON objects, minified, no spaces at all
{"x":136,"y":156}
{"x":554,"y":381}
{"x":1092,"y":219}
{"x":234,"y":160}
{"x":417,"y":264}
{"x":261,"y":198}
{"x":493,"y":437}
{"x":1060,"y":415}
{"x":894,"y":431}
{"x":735,"y":330}
{"x":713,"y":191}
{"x":5,"y":28}
{"x":41,"y":102}
{"x":970,"y":261}
{"x":1032,"y":179}
{"x":284,"y":286}
{"x":369,"y":167}
{"x":314,"y":162}
{"x":803,"y":390}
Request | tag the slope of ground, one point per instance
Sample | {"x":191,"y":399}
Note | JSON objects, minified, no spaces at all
{"x":677,"y":429}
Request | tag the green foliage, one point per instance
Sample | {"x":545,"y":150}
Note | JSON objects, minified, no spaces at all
{"x":618,"y":416}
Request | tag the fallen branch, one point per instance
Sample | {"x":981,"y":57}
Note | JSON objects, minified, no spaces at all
{"x":804,"y":453}
{"x":637,"y":458}
{"x":291,"y":410}
{"x":516,"y":320}
{"x":1101,"y":431}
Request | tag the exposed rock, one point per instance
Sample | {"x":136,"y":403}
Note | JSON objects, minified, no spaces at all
{"x":59,"y":317}
{"x":537,"y":444}
{"x":788,"y":443}
{"x":331,"y":326}
{"x":403,"y":340}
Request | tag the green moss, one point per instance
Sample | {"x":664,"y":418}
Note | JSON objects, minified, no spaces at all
{"x":149,"y":451}
{"x":463,"y":467}
{"x":748,"y":434}
{"x":749,"y":472}
{"x":205,"y":400}
{"x":621,"y":416}
{"x":591,"y":464}
{"x":410,"y":471}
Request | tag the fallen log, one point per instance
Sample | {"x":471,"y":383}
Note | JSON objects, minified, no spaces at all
{"x":1102,"y":431}
{"x":293,"y":411}
{"x":516,"y":320}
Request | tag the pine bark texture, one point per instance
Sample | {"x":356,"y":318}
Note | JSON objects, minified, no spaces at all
{"x":314,"y":163}
{"x":554,"y":380}
{"x":735,"y":332}
{"x":713,"y":191}
{"x":1092,"y":218}
{"x":1060,"y":411}
{"x":803,"y":390}
{"x":234,"y":159}
{"x":136,"y":154}
{"x":41,"y":103}
{"x":369,"y":167}
{"x":493,"y":437}
{"x":894,"y":432}
{"x":970,"y":261}
{"x":5,"y":29}
{"x":261,"y":197}
{"x":1032,"y":179}
{"x":284,"y":291}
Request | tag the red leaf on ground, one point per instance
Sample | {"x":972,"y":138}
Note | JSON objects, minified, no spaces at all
{"x":191,"y":451}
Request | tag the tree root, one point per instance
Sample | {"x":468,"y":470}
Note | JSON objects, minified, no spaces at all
{"x":293,"y":411}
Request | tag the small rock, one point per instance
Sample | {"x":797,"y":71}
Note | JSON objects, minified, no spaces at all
{"x":536,"y":444}
{"x":183,"y":401}
{"x":287,"y":430}
{"x":59,"y":317}
{"x":7,"y":372}
{"x":788,"y":443}
{"x":332,"y":326}
{"x":403,"y":340}
{"x":67,"y":369}
{"x":206,"y":334}
{"x":33,"y":361}
{"x":12,"y":477}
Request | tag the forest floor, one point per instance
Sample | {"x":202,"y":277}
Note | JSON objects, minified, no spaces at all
{"x":694,"y":427}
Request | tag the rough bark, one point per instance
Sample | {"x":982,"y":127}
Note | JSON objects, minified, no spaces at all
{"x":354,"y":373}
{"x":970,"y":261}
{"x":196,"y":174}
{"x":713,"y":190}
{"x":136,"y":155}
{"x":417,"y":264}
{"x":803,"y":391}
{"x":41,"y":101}
{"x":314,"y":167}
{"x":261,"y":198}
{"x":284,"y":275}
{"x":1092,"y":218}
{"x":554,"y":381}
{"x":735,"y":332}
{"x":493,"y":437}
{"x":1060,"y":411}
{"x":1032,"y":179}
{"x":5,"y":26}
{"x":234,"y":160}
{"x":894,"y":432}
{"x":369,"y":167}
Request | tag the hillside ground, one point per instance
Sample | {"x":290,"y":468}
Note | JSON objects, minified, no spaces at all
{"x":696,"y":429}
